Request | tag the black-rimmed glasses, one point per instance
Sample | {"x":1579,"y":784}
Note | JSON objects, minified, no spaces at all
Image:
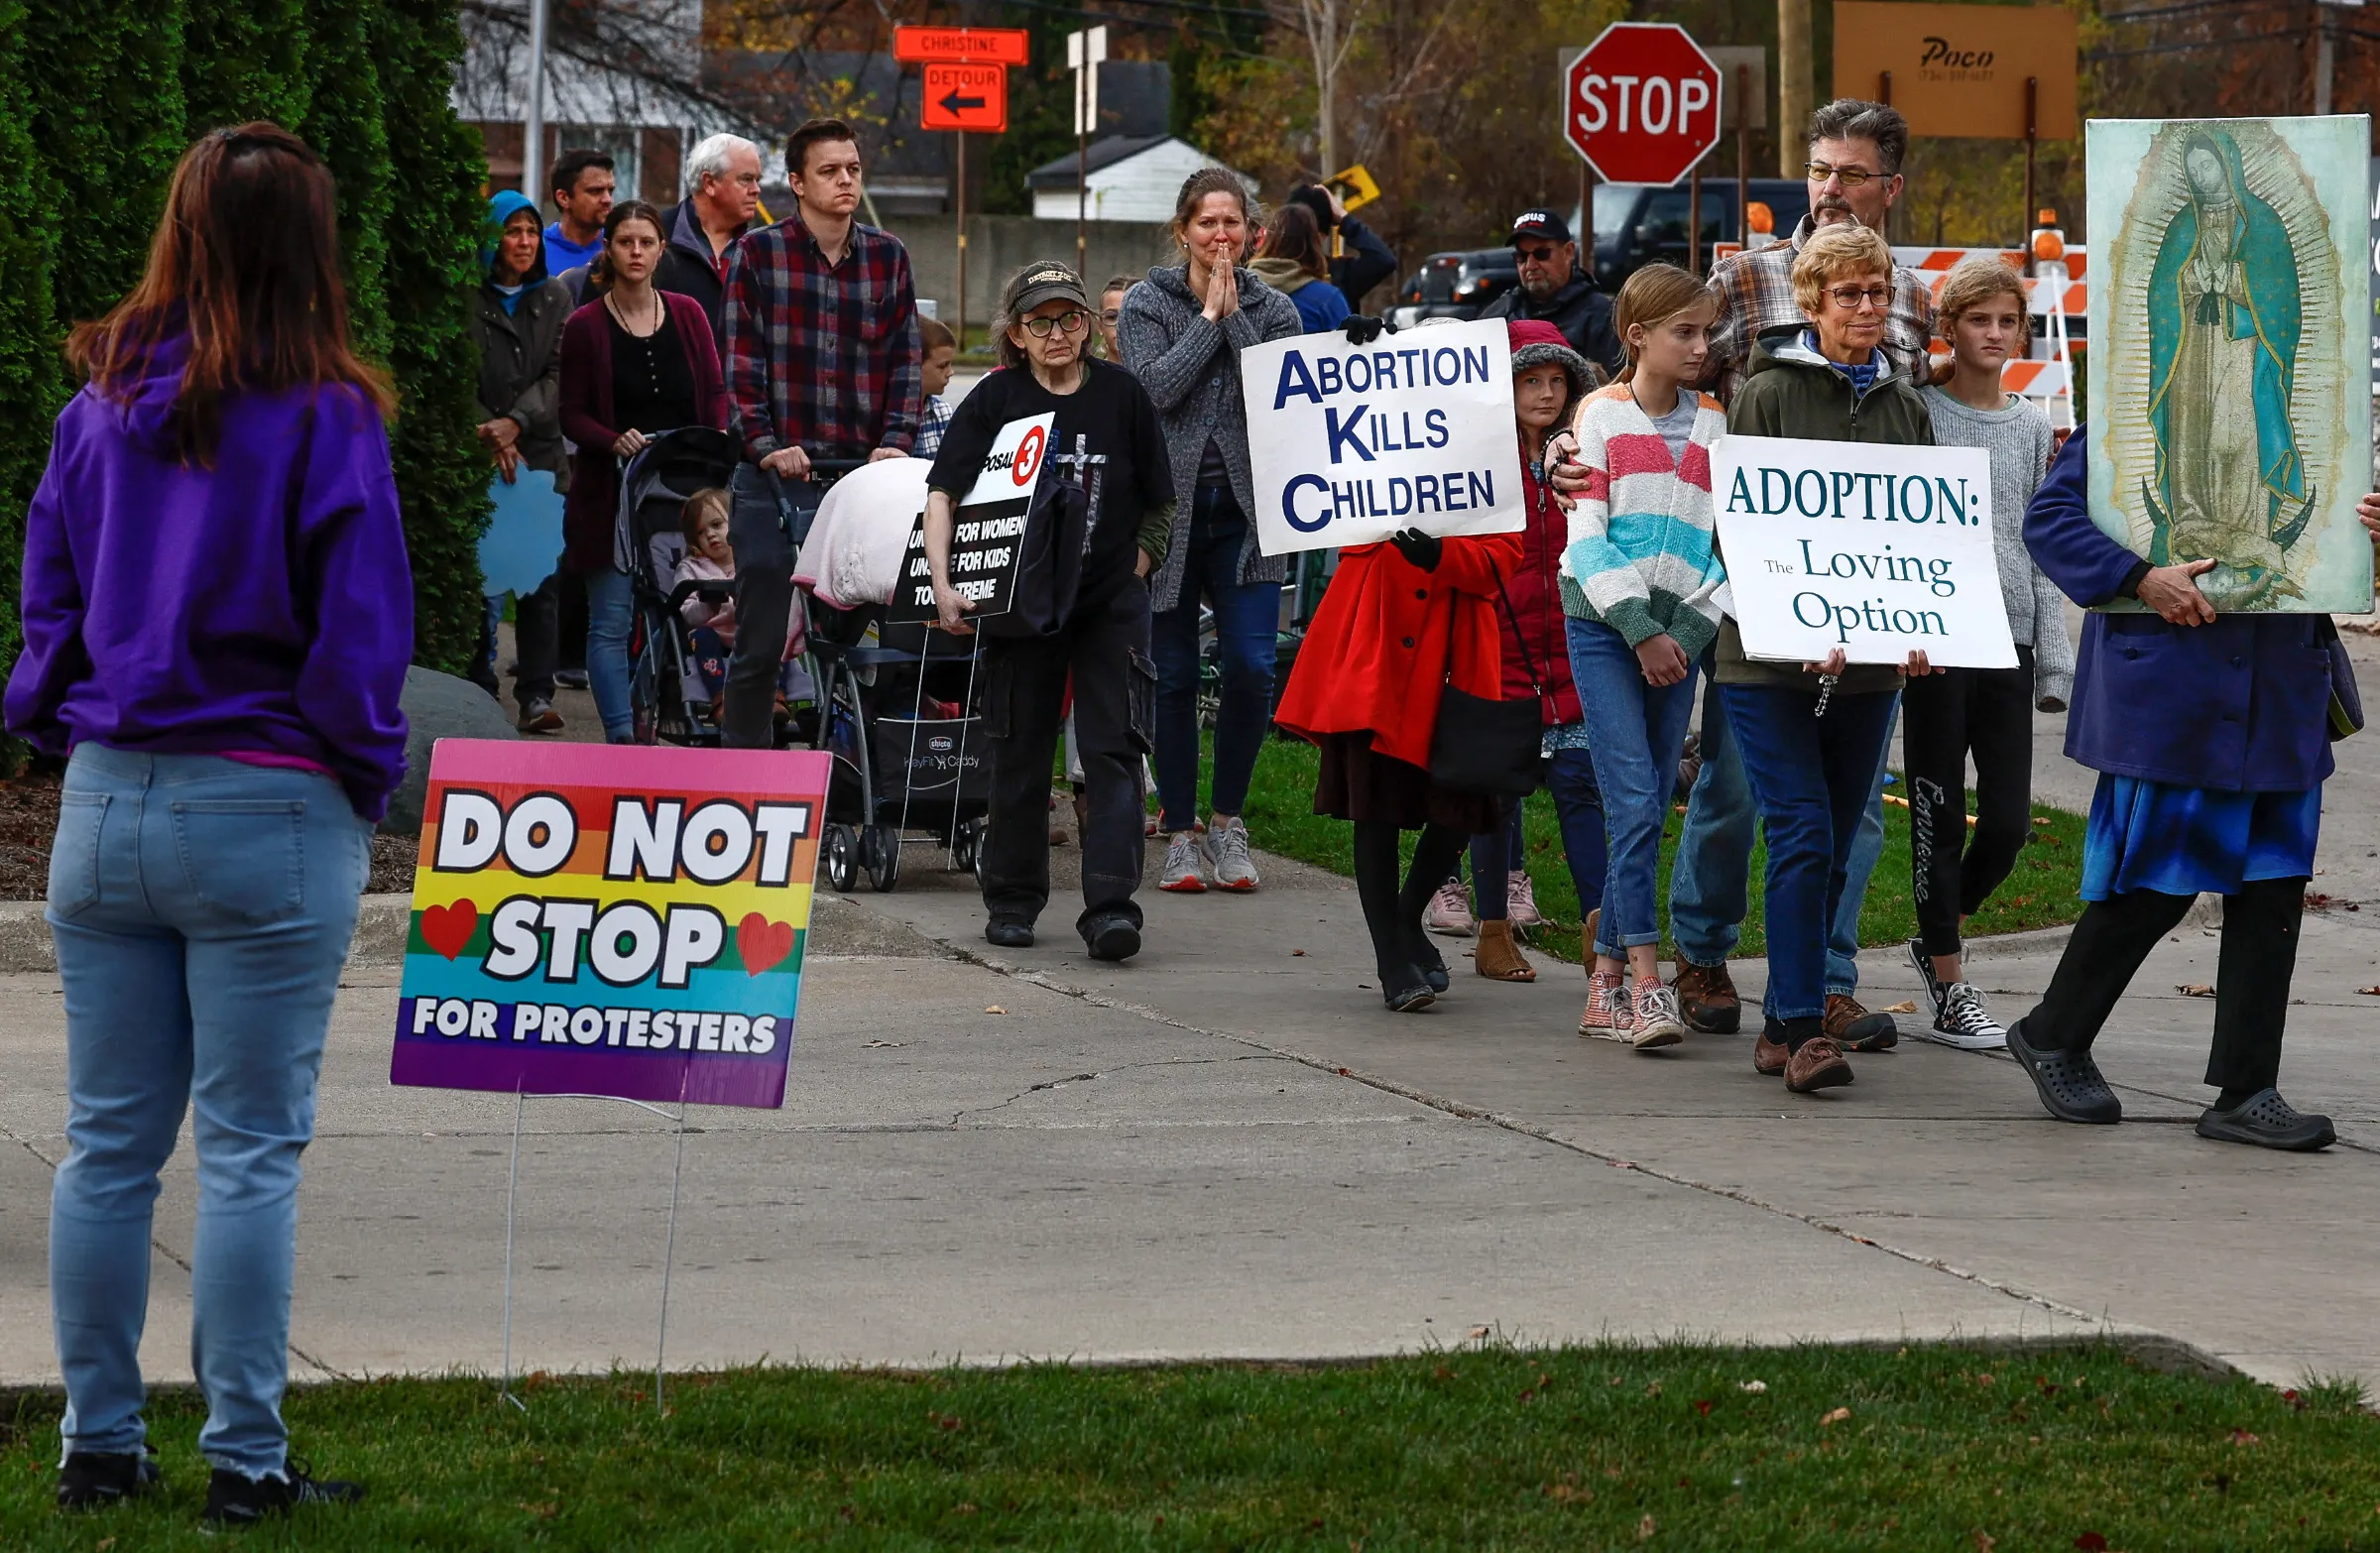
{"x":1071,"y":321}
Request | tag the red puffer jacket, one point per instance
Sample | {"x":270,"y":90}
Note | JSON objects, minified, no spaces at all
{"x":1541,"y":637}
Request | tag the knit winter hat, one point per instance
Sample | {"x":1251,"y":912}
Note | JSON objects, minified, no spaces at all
{"x":1536,"y":342}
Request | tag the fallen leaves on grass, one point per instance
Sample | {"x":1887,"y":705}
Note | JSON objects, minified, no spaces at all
{"x":1753,"y":1387}
{"x":1835,"y":1418}
{"x":2243,"y":1437}
{"x":2194,"y":989}
{"x":2092,"y":1542}
{"x":1984,"y":1540}
{"x":1905,"y":1006}
{"x":1702,"y":1406}
{"x":1645,"y":1529}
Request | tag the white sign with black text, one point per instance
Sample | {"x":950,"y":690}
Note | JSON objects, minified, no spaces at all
{"x":1880,"y":551}
{"x":990,"y":532}
{"x":1351,"y":444}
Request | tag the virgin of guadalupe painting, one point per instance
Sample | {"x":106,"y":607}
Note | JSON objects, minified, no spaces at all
{"x":2228,"y":385}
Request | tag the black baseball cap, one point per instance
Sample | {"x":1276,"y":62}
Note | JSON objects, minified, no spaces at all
{"x":1540,"y":223}
{"x":1043,"y":280}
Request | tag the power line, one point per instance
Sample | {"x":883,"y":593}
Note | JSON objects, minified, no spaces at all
{"x":2177,"y":48}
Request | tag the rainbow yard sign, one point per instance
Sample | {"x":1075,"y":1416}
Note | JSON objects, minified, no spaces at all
{"x":612,"y":921}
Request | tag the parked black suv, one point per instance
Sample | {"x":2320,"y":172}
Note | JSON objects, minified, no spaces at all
{"x":1636,"y":226}
{"x":1454,"y":285}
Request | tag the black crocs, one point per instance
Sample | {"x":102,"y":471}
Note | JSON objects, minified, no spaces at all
{"x":2269,"y":1122}
{"x":2069,"y":1083}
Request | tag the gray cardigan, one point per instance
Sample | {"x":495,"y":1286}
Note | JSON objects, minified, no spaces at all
{"x":1191,"y":370}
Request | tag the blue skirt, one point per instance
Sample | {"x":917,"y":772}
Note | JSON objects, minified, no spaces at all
{"x":2178,"y":841}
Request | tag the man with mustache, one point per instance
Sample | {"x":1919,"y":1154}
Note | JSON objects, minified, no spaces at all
{"x":1854,"y":173}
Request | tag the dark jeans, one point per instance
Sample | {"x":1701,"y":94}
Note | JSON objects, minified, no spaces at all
{"x":1944,"y":716}
{"x":1810,"y":777}
{"x":536,"y":638}
{"x":1247,"y":623}
{"x":1025,"y":688}
{"x":2251,"y":980}
{"x":1578,"y":807}
{"x":570,"y":621}
{"x":763,"y":605}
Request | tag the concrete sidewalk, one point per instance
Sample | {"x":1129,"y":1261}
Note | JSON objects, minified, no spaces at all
{"x":1229,"y":1149}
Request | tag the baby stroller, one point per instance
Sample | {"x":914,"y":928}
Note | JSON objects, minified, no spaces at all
{"x":666,"y":691}
{"x":898,"y":709}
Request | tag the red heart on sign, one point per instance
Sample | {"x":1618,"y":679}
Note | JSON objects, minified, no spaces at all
{"x":447,"y":928}
{"x":762,"y":942}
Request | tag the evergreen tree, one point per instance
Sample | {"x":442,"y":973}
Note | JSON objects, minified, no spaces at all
{"x":29,"y":378}
{"x":244,"y":59}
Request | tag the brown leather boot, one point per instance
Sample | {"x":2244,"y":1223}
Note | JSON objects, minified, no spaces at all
{"x":1499,"y":958}
{"x":1818,"y":1065}
{"x":1768,"y":1055}
{"x":1707,"y":997}
{"x":1852,"y":1026}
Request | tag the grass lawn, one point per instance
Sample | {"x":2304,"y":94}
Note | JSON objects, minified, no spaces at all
{"x":2040,"y":894}
{"x":1930,"y":1447}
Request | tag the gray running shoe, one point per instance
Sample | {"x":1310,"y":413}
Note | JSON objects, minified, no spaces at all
{"x":1227,"y":848}
{"x":1185,"y":863}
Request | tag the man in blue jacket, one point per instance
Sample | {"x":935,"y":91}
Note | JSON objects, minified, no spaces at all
{"x":2210,"y":734}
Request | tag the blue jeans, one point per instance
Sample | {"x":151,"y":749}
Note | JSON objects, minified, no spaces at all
{"x":1578,"y":808}
{"x":1635,"y":731}
{"x":201,"y":909}
{"x":1246,"y":621}
{"x":1813,"y":778}
{"x":611,"y":611}
{"x":1709,"y":884}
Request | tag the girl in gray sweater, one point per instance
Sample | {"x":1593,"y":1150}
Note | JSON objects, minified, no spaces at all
{"x":1984,"y":712}
{"x":1182,"y":331}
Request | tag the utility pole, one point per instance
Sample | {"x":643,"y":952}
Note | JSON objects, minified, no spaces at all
{"x":1083,"y":52}
{"x":533,"y":133}
{"x":2325,"y":53}
{"x":1794,"y":87}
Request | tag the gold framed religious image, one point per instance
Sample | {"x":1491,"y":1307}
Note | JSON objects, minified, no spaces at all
{"x":2228,"y":372}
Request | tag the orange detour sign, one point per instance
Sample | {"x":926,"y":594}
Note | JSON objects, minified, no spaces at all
{"x":966,"y":97}
{"x":961,"y":46}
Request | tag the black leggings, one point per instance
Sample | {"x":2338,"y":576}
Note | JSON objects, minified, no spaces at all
{"x":1401,"y":950}
{"x":1944,"y":716}
{"x":2251,"y":984}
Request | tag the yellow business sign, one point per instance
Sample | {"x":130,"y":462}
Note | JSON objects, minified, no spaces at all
{"x":1960,"y":70}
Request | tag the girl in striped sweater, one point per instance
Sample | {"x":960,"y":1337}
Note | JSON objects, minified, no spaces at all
{"x":1637,"y":578}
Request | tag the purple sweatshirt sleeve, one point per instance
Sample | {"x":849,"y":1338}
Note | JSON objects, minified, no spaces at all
{"x":354,"y":573}
{"x":51,"y":607}
{"x":2072,"y":551}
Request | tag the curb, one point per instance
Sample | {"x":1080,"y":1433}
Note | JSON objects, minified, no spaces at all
{"x":381,"y":927}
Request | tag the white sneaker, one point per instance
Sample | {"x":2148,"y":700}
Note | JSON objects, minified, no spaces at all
{"x":1227,"y":847}
{"x":1185,"y":865}
{"x":1520,"y":902}
{"x":1656,"y":1006}
{"x":1450,"y":911}
{"x":1965,"y":1023}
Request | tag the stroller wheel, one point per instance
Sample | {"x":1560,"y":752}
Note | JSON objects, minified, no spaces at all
{"x":962,"y":848}
{"x":842,"y":859}
{"x":880,"y":853}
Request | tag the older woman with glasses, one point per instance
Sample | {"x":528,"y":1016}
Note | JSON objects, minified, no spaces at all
{"x":1812,"y":736}
{"x":1102,"y":508}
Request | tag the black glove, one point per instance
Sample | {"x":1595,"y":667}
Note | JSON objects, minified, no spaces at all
{"x":1363,"y":330}
{"x":1422,"y":550}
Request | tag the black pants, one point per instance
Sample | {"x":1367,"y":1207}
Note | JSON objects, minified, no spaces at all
{"x":1392,"y":915}
{"x":764,"y":548}
{"x":1105,"y":646}
{"x":570,"y":620}
{"x":2252,"y":975}
{"x":1944,"y":716}
{"x":536,"y":638}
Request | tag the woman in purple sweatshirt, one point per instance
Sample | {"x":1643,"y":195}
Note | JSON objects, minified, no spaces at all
{"x":217,"y":617}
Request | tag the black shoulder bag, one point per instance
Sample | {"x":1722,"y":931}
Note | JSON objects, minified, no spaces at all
{"x":1491,"y":746}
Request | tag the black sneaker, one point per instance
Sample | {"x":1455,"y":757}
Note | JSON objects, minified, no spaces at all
{"x":1111,"y":937}
{"x":2269,"y":1122}
{"x":234,"y":1499}
{"x":93,"y":1479}
{"x":1009,"y":933}
{"x":571,"y":678}
{"x":1924,"y":969}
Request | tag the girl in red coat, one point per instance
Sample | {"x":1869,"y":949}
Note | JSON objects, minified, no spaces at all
{"x":1403,"y":619}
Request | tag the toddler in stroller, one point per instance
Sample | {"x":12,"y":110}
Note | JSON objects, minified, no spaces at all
{"x":704,"y":588}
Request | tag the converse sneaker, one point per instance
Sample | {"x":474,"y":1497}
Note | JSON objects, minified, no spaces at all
{"x":1656,"y":1009}
{"x":1520,"y":902}
{"x":1226,"y":845}
{"x":1965,"y":1023}
{"x":1607,"y":1016}
{"x":1449,"y":912}
{"x":234,"y":1499}
{"x":1925,"y":970}
{"x":1185,"y":865}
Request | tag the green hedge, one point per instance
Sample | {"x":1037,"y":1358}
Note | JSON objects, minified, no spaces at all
{"x":97,"y":101}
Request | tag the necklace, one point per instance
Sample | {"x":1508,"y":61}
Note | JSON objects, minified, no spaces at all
{"x":658,"y":311}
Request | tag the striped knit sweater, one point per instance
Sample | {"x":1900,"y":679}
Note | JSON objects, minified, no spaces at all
{"x":1640,"y":556}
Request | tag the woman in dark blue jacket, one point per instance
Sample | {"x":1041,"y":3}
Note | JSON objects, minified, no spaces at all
{"x":2210,"y":734}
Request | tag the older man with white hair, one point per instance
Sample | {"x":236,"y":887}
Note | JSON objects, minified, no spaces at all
{"x":723,"y":194}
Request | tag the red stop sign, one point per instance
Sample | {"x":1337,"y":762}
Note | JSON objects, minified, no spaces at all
{"x":1642,"y":104}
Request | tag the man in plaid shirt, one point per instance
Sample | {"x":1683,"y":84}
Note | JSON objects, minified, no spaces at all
{"x":1856,"y":151}
{"x":820,"y":326}
{"x":1855,"y":170}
